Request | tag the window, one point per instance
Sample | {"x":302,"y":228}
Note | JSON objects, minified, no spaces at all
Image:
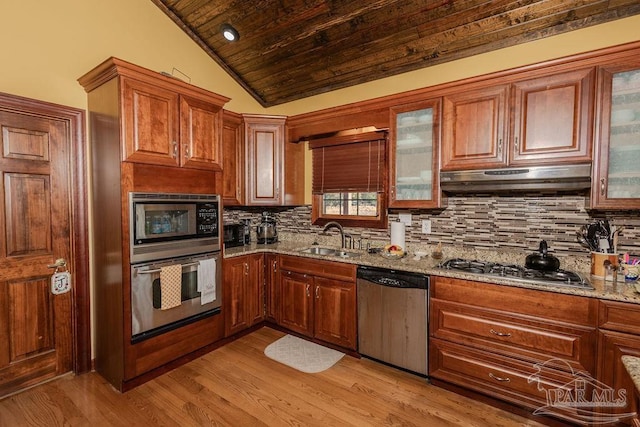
{"x":351,"y":204}
{"x":349,"y":173}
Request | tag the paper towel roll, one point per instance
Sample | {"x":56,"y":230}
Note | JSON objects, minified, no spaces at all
{"x":397,"y":234}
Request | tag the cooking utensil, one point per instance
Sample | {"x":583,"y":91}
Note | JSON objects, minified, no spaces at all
{"x":541,"y":260}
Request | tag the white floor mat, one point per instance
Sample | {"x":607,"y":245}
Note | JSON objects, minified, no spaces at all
{"x":302,"y":355}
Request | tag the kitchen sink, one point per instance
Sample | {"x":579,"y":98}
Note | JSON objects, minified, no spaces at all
{"x":330,"y":252}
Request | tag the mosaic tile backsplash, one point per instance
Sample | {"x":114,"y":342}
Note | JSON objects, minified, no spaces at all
{"x":498,"y":223}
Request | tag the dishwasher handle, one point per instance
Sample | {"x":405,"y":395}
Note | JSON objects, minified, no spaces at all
{"x":393,"y":278}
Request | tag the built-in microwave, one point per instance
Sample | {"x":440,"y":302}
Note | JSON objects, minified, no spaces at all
{"x":168,"y":225}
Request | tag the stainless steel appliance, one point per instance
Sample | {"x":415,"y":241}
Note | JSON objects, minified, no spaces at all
{"x":147,"y":317}
{"x":518,"y":273}
{"x":393,"y":317}
{"x":266,"y":231}
{"x":236,"y":234}
{"x":170,"y":225}
{"x":551,"y":177}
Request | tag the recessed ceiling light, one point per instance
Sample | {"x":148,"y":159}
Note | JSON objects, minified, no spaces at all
{"x":229,"y":32}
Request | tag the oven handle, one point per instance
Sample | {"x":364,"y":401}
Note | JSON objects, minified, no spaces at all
{"x":157,"y":270}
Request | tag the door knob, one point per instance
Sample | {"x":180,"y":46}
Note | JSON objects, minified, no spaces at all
{"x":60,"y":262}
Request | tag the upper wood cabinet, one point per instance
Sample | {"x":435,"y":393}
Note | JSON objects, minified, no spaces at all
{"x":264,"y":144}
{"x":232,"y":160}
{"x":268,"y":170}
{"x":540,"y":120}
{"x":616,"y":176}
{"x":164,"y":121}
{"x":413,"y":150}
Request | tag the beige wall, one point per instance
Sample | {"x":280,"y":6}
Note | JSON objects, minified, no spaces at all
{"x":47,"y":45}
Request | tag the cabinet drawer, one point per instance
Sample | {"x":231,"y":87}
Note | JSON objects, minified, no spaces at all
{"x":526,"y":302}
{"x":534,"y":340}
{"x":521,"y":383}
{"x":620,"y":316}
{"x":315,"y":267}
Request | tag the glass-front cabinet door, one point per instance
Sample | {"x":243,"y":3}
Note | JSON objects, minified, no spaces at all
{"x":413,"y":156}
{"x":616,"y":183}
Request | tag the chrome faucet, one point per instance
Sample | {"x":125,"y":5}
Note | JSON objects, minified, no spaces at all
{"x":333,"y":224}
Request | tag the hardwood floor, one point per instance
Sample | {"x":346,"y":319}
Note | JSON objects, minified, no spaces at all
{"x":237,"y":385}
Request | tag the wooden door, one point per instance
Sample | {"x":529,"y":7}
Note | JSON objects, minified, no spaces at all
{"x":265,"y":154}
{"x":475,"y":131}
{"x":235,"y":278}
{"x":200,"y":134}
{"x":553,"y":118}
{"x":36,"y":333}
{"x":335,"y":312}
{"x":150,"y":120}
{"x":255,"y":289}
{"x":296,"y":302}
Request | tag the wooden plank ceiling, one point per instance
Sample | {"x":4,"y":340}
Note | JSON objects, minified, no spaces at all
{"x":292,"y":49}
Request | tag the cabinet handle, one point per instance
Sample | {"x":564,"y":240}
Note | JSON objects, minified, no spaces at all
{"x":501,"y":379}
{"x":175,"y":149}
{"x":308,"y":293}
{"x":246,"y":269}
{"x":602,"y":186}
{"x":186,"y":151}
{"x":500,"y":147}
{"x":275,"y":266}
{"x":515,"y":144}
{"x":500,"y":334}
{"x":317,"y":294}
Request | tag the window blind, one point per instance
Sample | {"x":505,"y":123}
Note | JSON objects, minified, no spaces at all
{"x":349,"y":167}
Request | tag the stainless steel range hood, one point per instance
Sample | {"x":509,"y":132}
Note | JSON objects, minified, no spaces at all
{"x":514,"y":179}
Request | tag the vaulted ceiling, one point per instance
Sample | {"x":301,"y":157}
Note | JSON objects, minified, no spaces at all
{"x":292,"y":49}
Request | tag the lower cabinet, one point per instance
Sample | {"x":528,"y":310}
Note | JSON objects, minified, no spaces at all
{"x":517,"y":345}
{"x":619,"y":336}
{"x":243,"y":292}
{"x":318,"y":299}
{"x":271,"y":278}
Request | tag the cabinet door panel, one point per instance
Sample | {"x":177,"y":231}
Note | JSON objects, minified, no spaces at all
{"x":474,"y":129}
{"x":200,"y":134}
{"x":413,"y":150}
{"x":335,"y":312}
{"x":265,"y":153}
{"x":611,"y":370}
{"x":150,"y":119}
{"x":296,"y":302}
{"x":255,"y":288}
{"x":552,"y":120}
{"x":235,"y":296}
{"x":232,"y":160}
{"x":271,"y":286}
{"x":616,"y":177}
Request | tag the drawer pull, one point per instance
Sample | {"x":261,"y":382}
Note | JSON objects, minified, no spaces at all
{"x":500,"y":334}
{"x":502,"y":380}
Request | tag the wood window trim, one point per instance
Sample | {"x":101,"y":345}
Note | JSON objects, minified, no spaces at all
{"x":379,"y":221}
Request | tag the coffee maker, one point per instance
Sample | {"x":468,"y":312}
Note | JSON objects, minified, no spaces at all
{"x":266,"y":231}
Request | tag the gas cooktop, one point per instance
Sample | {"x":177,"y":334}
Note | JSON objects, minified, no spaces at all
{"x":518,"y":273}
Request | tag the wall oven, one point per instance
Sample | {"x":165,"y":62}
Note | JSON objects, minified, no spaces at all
{"x":171,"y":225}
{"x":175,"y":261}
{"x":149,"y":318}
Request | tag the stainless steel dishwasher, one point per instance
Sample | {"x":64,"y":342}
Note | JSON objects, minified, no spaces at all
{"x":393,"y":310}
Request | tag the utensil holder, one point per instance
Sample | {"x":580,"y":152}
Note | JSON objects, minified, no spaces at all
{"x":597,"y":263}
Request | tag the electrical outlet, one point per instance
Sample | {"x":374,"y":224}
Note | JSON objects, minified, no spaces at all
{"x":426,"y":226}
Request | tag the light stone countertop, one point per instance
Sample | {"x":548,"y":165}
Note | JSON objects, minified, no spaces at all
{"x":632,"y":365}
{"x":622,"y":291}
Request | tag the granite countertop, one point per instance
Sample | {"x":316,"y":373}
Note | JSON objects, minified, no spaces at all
{"x":632,"y":365}
{"x":603,"y":290}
